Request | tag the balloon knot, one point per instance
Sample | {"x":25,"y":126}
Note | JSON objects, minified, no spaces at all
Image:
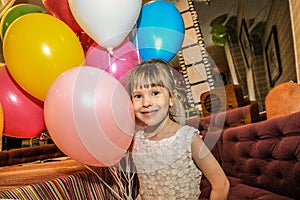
{"x":110,"y":51}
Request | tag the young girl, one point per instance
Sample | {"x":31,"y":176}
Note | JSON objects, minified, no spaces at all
{"x":169,"y":157}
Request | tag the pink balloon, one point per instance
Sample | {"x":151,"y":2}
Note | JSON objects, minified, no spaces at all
{"x":23,"y":113}
{"x":89,"y":116}
{"x":124,"y":58}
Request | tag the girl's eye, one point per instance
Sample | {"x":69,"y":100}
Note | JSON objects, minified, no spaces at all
{"x":155,"y":93}
{"x":137,"y":96}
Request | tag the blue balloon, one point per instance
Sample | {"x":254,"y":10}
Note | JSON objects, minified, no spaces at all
{"x":160,"y":31}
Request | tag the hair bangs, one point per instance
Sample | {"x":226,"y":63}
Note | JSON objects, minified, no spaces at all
{"x":148,"y":78}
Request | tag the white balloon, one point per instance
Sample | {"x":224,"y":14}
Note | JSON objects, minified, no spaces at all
{"x":107,"y":22}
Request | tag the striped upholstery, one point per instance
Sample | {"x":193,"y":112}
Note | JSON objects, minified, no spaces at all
{"x":84,"y":185}
{"x":53,"y":189}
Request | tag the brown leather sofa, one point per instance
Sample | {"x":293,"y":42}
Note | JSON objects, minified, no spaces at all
{"x":261,"y":160}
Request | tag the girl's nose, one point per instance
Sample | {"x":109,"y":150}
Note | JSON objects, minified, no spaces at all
{"x":147,"y":101}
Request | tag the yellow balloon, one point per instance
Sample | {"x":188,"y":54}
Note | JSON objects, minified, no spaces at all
{"x":1,"y":122}
{"x":37,"y":48}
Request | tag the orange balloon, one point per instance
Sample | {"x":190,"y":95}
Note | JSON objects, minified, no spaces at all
{"x":37,"y":48}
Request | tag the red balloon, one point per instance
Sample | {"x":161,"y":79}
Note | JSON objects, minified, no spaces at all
{"x":23,"y":114}
{"x":61,"y":10}
{"x":85,"y":40}
{"x":124,"y":58}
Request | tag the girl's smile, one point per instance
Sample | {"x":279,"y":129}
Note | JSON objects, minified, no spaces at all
{"x":149,"y":113}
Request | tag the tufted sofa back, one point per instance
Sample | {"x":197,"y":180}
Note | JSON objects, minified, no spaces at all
{"x":265,"y":154}
{"x":235,"y":117}
{"x":29,"y":154}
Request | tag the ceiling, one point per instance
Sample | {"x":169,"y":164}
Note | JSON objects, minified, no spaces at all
{"x":207,"y":13}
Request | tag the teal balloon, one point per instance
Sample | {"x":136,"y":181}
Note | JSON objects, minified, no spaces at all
{"x":160,"y":31}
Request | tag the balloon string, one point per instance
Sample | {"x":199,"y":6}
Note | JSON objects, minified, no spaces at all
{"x":109,"y":61}
{"x":122,"y":59}
{"x":111,"y":54}
{"x":137,"y":47}
{"x":110,"y":51}
{"x":99,"y":177}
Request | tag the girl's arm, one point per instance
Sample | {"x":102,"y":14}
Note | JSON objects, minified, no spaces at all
{"x":210,"y":168}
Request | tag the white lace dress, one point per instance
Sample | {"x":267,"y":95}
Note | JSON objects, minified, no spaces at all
{"x":165,"y":168}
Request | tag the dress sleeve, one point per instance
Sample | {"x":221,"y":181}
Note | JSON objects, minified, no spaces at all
{"x":191,"y":132}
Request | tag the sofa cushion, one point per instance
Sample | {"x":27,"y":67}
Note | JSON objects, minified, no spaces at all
{"x":81,"y":185}
{"x":52,"y":189}
{"x":265,"y":154}
{"x":240,"y":190}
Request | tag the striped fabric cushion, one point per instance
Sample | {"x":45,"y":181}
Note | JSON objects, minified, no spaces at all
{"x":53,"y":189}
{"x":85,"y":185}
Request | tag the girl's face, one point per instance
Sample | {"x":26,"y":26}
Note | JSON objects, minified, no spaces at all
{"x":151,"y":105}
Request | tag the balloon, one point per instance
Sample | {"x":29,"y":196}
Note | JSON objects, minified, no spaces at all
{"x":4,"y":5}
{"x":85,"y":40}
{"x":107,"y":22}
{"x":61,"y":10}
{"x":1,"y":121}
{"x":125,"y":57}
{"x":157,"y":36}
{"x":89,"y":116}
{"x":23,"y":114}
{"x":15,"y":12}
{"x":37,"y":48}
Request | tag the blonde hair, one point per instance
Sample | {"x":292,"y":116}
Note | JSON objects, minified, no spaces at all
{"x":152,"y":73}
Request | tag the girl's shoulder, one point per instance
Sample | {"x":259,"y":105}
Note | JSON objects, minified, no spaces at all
{"x":187,"y":130}
{"x":187,"y":133}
